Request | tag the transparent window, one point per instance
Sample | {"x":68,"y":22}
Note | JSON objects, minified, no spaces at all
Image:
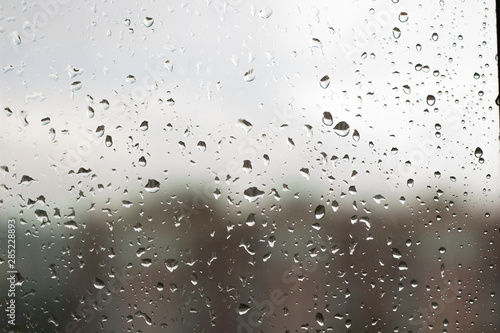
{"x":249,"y":166}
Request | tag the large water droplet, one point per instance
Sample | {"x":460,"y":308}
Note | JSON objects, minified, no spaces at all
{"x":148,"y":21}
{"x":431,"y":100}
{"x":152,"y":186}
{"x":319,"y":319}
{"x":253,"y":194}
{"x":396,"y":32}
{"x":171,"y":264}
{"x":327,"y":118}
{"x":319,"y":212}
{"x":243,"y":308}
{"x":341,"y":129}
{"x":478,"y":152}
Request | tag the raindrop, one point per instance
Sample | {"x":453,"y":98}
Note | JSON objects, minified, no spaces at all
{"x":477,"y":76}
{"x":144,"y":126}
{"x":247,"y":166}
{"x":142,"y":161}
{"x":319,"y":212}
{"x":245,"y":124}
{"x":77,"y":85}
{"x":478,"y":152}
{"x":130,"y":79}
{"x":341,"y":129}
{"x":410,"y":183}
{"x":249,"y":76}
{"x":355,"y":135}
{"x":319,"y":319}
{"x":169,"y":65}
{"x":108,"y":141}
{"x":152,"y":186}
{"x":243,"y":308}
{"x":442,"y":250}
{"x":99,"y":132}
{"x":418,"y":47}
{"x":98,"y":283}
{"x":16,"y":39}
{"x":324,"y":82}
{"x":266,"y":12}
{"x":435,"y":37}
{"x":90,"y":112}
{"x":327,"y":118}
{"x":202,"y":146}
{"x":148,"y":21}
{"x":406,"y":89}
{"x":431,"y":100}
{"x":396,"y":32}
{"x":253,"y":194}
{"x":171,"y":264}
{"x":403,"y":17}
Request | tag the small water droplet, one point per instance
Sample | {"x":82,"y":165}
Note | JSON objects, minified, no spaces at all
{"x":396,"y":32}
{"x":406,"y":89}
{"x":148,"y":21}
{"x":266,"y":12}
{"x":152,"y":186}
{"x":355,"y":135}
{"x":442,"y":250}
{"x":243,"y":308}
{"x":403,"y":17}
{"x":249,"y":76}
{"x":324,"y":82}
{"x":319,"y":319}
{"x":171,"y":264}
{"x":142,"y":161}
{"x":108,"y":141}
{"x":327,"y":118}
{"x":435,"y":36}
{"x":253,"y":194}
{"x":247,"y":166}
{"x":410,"y":183}
{"x":202,"y":146}
{"x":98,"y":283}
{"x":144,"y":125}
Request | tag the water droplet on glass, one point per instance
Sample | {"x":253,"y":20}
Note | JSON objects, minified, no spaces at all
{"x":477,"y":76}
{"x":108,"y":141}
{"x":410,"y":183}
{"x":341,"y":129}
{"x":403,"y":17}
{"x":247,"y":166}
{"x":435,"y":36}
{"x":202,"y":146}
{"x":406,"y":89}
{"x":249,"y":76}
{"x":152,"y":186}
{"x":90,"y":112}
{"x":319,"y":212}
{"x":431,"y":100}
{"x":478,"y":152}
{"x":98,"y":283}
{"x":169,"y":65}
{"x":16,"y":39}
{"x":418,"y":47}
{"x":245,"y":124}
{"x":319,"y":319}
{"x":148,"y":21}
{"x":243,"y":308}
{"x":265,"y":12}
{"x":171,"y":264}
{"x":99,"y":131}
{"x":77,"y":85}
{"x":144,"y":126}
{"x":327,"y":118}
{"x":324,"y":82}
{"x":442,"y":250}
{"x":253,"y":194}
{"x":142,"y":161}
{"x":130,"y":79}
{"x":355,"y":135}
{"x":396,"y":32}
{"x":414,"y":283}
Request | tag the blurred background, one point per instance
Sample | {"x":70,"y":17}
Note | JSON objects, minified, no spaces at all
{"x":262,"y":166}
